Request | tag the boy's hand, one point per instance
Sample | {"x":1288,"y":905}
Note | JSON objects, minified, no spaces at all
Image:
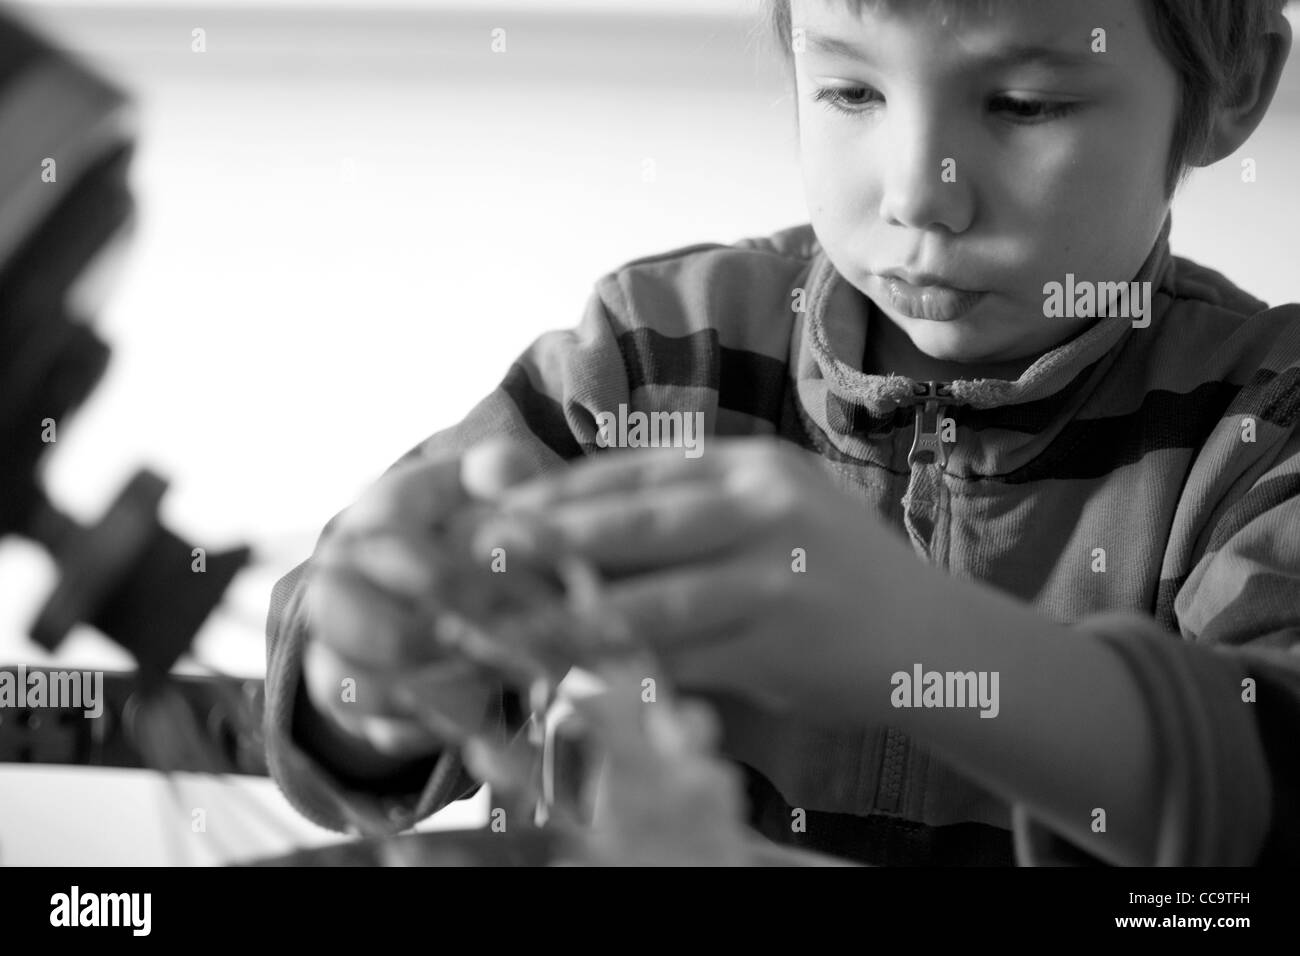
{"x":371,"y":664}
{"x":703,"y":565}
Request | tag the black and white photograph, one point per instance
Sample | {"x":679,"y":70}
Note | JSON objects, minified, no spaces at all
{"x":860,"y":434}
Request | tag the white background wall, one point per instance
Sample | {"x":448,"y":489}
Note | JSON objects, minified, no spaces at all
{"x":353,"y":216}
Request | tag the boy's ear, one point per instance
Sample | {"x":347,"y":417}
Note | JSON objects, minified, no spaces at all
{"x":1234,"y":121}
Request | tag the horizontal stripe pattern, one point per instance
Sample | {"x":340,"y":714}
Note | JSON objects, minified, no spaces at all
{"x":1114,"y":478}
{"x":544,"y":415}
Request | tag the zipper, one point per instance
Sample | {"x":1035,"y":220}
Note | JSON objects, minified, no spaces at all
{"x":929,"y":400}
{"x":893,"y":766}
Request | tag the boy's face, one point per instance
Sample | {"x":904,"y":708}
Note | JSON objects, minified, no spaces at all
{"x":1058,"y":162}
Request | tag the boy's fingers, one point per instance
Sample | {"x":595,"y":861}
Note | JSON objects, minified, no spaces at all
{"x":414,"y":494}
{"x":418,"y":493}
{"x":703,"y":667}
{"x":488,"y":469}
{"x":713,"y":667}
{"x":398,"y":738}
{"x":446,"y":700}
{"x":346,"y":688}
{"x":676,"y":609}
{"x":361,"y":701}
{"x":449,"y":698}
{"x":656,"y":526}
{"x":622,"y":471}
{"x":407,"y":566}
{"x":360,"y":621}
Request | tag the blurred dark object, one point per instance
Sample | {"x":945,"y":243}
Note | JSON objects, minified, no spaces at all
{"x":448,"y":848}
{"x":487,"y":848}
{"x":65,"y":211}
{"x":196,"y":724}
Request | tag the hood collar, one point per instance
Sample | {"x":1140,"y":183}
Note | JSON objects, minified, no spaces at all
{"x":837,"y":324}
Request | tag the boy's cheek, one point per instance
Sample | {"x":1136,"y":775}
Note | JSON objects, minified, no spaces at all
{"x":844,"y":214}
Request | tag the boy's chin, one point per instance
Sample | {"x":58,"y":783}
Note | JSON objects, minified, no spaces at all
{"x":947,"y":341}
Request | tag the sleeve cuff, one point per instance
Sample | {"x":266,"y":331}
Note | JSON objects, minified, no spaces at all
{"x":323,"y":797}
{"x":1215,"y":804}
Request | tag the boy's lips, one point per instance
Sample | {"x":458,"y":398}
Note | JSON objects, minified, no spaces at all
{"x":926,"y":296}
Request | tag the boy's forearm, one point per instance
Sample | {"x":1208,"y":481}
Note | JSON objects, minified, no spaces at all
{"x":1072,"y":732}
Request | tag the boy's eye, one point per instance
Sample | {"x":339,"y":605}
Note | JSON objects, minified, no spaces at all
{"x":857,"y":99}
{"x":847,"y":99}
{"x":1023,"y":110}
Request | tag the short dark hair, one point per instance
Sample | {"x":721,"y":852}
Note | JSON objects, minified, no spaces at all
{"x":1209,"y":43}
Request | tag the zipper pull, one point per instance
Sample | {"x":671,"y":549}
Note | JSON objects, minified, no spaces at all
{"x":928,"y":400}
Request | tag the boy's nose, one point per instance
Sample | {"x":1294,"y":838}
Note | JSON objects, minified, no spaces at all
{"x":923,"y":184}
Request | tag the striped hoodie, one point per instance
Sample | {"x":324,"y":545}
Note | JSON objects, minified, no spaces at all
{"x":1170,"y":452}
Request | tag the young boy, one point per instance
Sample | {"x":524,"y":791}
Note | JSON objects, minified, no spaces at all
{"x":1018,"y":577}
